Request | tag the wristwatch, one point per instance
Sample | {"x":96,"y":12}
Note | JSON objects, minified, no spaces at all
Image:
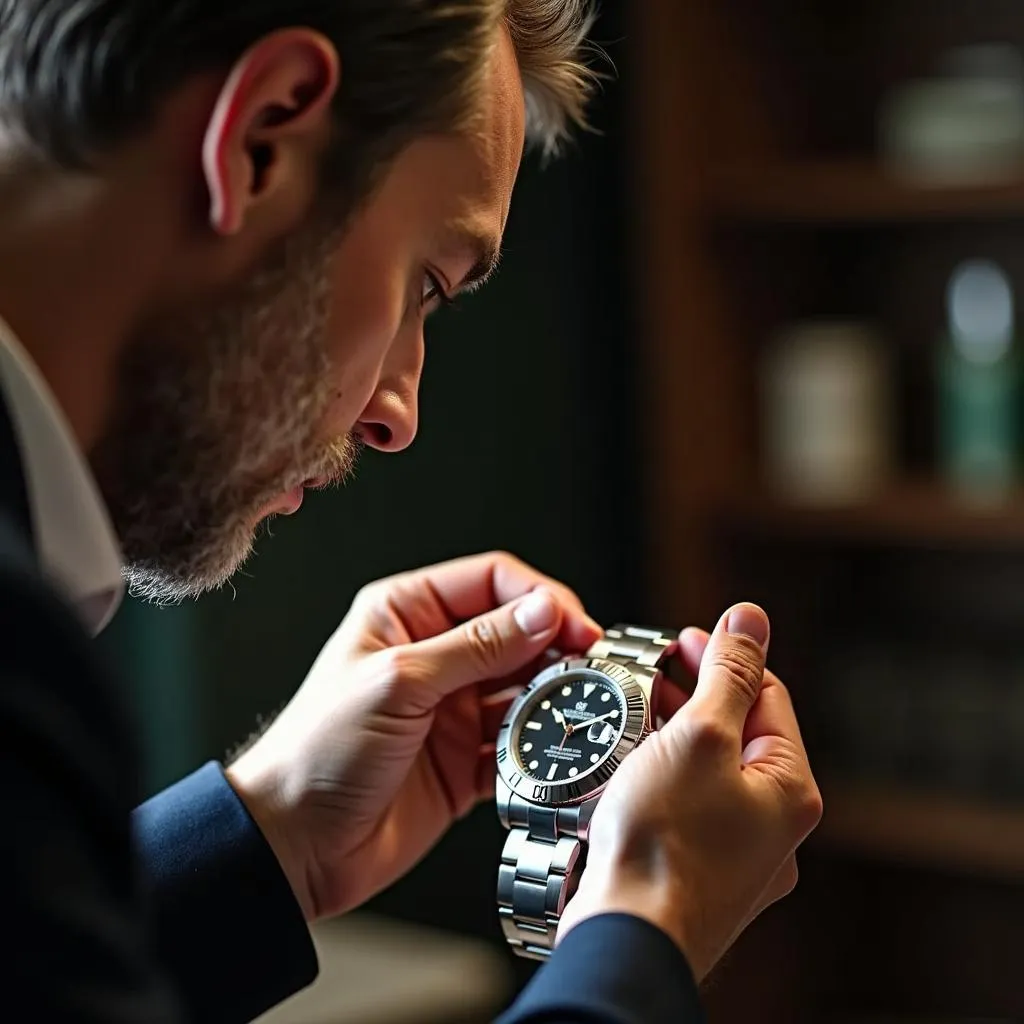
{"x":559,"y":745}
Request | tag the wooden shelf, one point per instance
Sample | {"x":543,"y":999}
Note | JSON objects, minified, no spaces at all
{"x":918,"y":514}
{"x":924,"y":830}
{"x":851,"y":192}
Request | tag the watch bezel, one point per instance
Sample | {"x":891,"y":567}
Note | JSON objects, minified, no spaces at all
{"x":573,"y":791}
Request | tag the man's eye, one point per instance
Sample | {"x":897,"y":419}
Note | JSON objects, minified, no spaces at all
{"x":433,"y":291}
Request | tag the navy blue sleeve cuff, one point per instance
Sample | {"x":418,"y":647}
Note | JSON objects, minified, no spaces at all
{"x":612,"y":969}
{"x":227,"y":925}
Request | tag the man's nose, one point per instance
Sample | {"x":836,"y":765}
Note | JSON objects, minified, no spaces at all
{"x":391,"y":418}
{"x":389,"y":423}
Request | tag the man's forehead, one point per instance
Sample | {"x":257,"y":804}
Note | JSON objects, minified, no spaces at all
{"x":496,"y":150}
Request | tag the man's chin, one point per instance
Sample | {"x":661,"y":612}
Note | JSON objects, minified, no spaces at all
{"x":164,"y":584}
{"x":169,"y":578}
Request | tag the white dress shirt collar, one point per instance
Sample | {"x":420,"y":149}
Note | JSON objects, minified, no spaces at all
{"x":75,"y":539}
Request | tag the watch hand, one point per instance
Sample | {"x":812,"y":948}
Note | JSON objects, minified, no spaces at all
{"x":559,"y":717}
{"x":602,"y":718}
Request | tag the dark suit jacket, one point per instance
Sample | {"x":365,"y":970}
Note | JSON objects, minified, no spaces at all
{"x":177,"y":910}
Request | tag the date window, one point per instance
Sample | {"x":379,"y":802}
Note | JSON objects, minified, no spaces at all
{"x":601,"y":733}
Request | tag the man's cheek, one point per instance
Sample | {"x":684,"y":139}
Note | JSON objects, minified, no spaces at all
{"x":366,"y":316}
{"x":362,"y":338}
{"x":354,"y":384}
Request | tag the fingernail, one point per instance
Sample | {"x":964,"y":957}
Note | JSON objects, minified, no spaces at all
{"x":536,"y":614}
{"x":750,"y":621}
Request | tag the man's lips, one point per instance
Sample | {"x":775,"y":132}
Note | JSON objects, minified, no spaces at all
{"x":289,"y":502}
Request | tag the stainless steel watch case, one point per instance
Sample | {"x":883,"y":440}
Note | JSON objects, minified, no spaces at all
{"x":637,"y":688}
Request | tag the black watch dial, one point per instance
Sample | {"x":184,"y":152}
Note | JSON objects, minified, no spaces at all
{"x":570,"y":727}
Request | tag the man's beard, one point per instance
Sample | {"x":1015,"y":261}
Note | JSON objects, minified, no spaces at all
{"x":218,"y":413}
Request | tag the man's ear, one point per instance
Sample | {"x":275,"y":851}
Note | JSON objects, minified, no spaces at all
{"x":268,"y":126}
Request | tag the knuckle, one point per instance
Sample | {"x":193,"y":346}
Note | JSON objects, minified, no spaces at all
{"x":811,"y":808}
{"x":709,"y":735}
{"x":742,"y":662}
{"x":392,"y":670}
{"x":805,"y":808}
{"x":505,"y":560}
{"x":368,"y":596}
{"x":483,"y":641}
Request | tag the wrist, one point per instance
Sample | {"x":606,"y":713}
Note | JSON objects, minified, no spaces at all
{"x":265,"y":801}
{"x":660,"y":902}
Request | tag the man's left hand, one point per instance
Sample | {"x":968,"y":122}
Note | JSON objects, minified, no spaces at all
{"x":391,"y":738}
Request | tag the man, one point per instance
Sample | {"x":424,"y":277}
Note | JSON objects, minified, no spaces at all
{"x":223,"y":226}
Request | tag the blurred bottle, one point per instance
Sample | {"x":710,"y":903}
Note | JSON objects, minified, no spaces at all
{"x":826,"y":413}
{"x":964,"y":126}
{"x":979,"y":376}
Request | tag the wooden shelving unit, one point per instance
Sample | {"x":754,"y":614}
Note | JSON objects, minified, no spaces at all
{"x":851,"y":192}
{"x":912,"y":514}
{"x":930,"y":830}
{"x":759,"y":200}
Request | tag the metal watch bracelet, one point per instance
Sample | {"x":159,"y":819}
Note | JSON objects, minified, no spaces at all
{"x":544,"y":856}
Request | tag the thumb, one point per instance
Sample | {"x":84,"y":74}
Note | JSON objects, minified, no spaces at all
{"x":732,"y":669}
{"x":492,"y":645}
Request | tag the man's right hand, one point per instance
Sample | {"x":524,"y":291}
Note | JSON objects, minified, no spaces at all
{"x":697,"y":831}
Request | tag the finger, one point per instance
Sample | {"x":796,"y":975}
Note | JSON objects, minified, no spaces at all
{"x":509,"y":687}
{"x":494,"y":645}
{"x":692,"y":645}
{"x":486,"y":772}
{"x":521,"y":678}
{"x":492,"y":714}
{"x":472,"y":586}
{"x":468,"y":587}
{"x":731,"y":673}
{"x":670,"y":700}
{"x":772,"y":716}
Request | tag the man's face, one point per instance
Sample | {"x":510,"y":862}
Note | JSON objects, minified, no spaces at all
{"x":228,"y":410}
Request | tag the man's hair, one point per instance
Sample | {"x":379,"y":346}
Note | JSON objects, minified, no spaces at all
{"x":77,"y":77}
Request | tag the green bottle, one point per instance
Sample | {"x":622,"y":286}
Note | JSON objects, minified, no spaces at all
{"x":979,"y":384}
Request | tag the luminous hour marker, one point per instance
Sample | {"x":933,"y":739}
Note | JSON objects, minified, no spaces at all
{"x":573,"y":772}
{"x":527,"y":747}
{"x":534,"y":765}
{"x":566,"y":690}
{"x":552,"y":771}
{"x":534,"y":725}
{"x":588,"y":689}
{"x":606,"y":696}
{"x":594,"y":758}
{"x":613,"y":714}
{"x":546,"y":705}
